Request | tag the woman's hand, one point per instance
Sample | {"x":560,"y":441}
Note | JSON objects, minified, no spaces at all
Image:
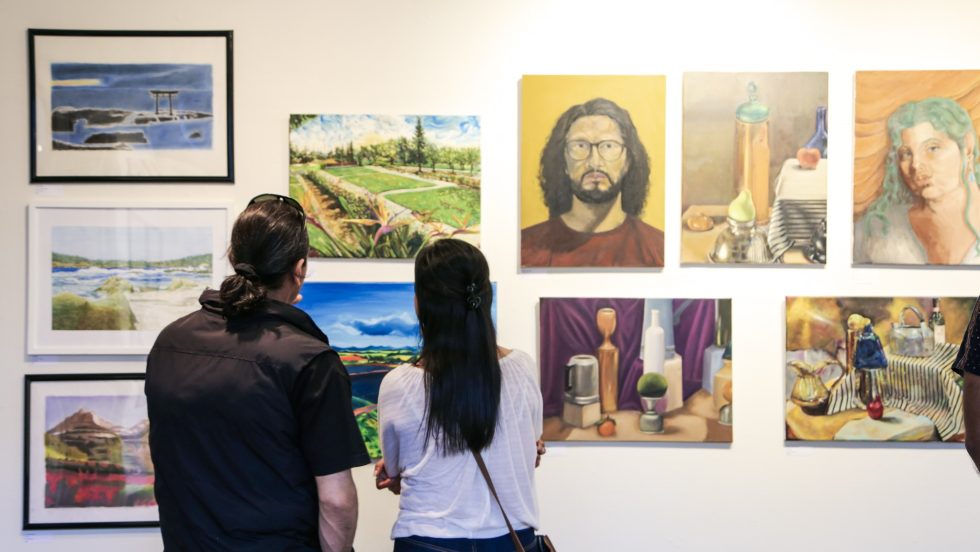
{"x":541,"y":451}
{"x":383,"y":481}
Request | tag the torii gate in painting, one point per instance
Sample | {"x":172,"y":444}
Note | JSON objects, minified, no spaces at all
{"x":170,"y":99}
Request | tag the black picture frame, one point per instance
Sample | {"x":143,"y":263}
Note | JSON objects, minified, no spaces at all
{"x":73,"y":517}
{"x":53,"y":160}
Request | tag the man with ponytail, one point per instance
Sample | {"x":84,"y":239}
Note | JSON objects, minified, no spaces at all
{"x":252,"y":434}
{"x":464,"y":398}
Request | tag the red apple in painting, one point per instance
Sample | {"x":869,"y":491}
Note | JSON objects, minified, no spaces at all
{"x":808,"y":158}
{"x":876,"y":409}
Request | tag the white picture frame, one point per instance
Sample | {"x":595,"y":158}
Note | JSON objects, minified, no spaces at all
{"x":77,"y":306}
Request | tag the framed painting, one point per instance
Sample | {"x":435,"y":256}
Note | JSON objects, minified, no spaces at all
{"x":642,"y":370}
{"x":106,"y":279}
{"x":916,"y":168}
{"x":592,"y":171}
{"x":373,"y":327}
{"x":86,"y":452}
{"x":382,"y":186}
{"x":130,"y":106}
{"x":874,"y":368}
{"x":754,"y":175}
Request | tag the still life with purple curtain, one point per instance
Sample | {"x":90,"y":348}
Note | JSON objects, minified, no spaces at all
{"x":636,"y":369}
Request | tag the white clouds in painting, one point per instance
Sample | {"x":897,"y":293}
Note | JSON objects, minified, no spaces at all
{"x":326,"y":132}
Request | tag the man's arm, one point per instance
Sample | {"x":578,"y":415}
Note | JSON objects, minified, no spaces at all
{"x":338,"y":511}
{"x":971,"y":412}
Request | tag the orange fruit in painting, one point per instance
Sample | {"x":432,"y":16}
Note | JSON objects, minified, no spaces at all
{"x":606,"y":427}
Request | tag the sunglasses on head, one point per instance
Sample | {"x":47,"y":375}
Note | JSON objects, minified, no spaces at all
{"x":264,"y":198}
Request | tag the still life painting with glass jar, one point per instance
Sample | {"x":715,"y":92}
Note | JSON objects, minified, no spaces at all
{"x":636,"y":369}
{"x":874,"y":368}
{"x":754,"y":175}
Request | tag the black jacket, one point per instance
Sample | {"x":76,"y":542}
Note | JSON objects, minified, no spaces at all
{"x":243,"y":414}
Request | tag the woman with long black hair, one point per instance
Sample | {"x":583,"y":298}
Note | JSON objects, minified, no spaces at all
{"x":465,"y":397}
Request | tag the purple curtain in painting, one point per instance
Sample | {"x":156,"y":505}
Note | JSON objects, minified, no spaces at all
{"x":693,"y":333}
{"x":568,"y":328}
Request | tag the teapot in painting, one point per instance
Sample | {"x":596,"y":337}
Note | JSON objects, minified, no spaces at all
{"x":809,"y":392}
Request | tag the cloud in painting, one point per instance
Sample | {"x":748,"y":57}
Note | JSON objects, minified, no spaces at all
{"x":183,"y":76}
{"x":397,"y":324}
{"x":326,"y":132}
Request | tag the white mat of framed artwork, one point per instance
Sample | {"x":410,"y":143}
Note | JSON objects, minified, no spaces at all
{"x":206,"y":163}
{"x":105,"y":279}
{"x":46,"y":390}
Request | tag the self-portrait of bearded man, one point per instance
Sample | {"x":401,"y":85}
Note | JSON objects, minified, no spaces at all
{"x":594,"y":177}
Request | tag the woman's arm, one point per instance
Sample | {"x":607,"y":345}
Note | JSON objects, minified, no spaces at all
{"x":386,"y":472}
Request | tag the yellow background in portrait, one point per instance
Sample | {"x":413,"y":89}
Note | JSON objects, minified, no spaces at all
{"x":545,"y":97}
{"x":877,"y":95}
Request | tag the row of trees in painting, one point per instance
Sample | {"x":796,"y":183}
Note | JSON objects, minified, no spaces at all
{"x":384,"y":186}
{"x":402,"y":151}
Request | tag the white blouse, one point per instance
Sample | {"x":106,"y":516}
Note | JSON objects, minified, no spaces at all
{"x":446,"y":496}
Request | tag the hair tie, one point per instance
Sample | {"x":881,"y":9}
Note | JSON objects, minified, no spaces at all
{"x":473,"y":300}
{"x":246,"y":271}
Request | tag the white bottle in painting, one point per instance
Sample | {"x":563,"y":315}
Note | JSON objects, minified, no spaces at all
{"x":938,"y":324}
{"x":654,"y":346}
{"x":674,"y":372}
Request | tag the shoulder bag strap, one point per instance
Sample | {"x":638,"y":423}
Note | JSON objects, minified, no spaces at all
{"x":486,"y":475}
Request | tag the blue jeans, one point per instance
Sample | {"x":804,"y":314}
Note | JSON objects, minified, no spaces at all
{"x":503,"y":543}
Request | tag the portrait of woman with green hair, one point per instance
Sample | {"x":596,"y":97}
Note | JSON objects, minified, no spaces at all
{"x":928,"y":209}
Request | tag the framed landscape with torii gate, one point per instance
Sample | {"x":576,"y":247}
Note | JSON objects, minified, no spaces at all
{"x":130,"y":106}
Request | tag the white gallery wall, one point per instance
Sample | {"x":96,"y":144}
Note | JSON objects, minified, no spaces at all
{"x":459,"y":57}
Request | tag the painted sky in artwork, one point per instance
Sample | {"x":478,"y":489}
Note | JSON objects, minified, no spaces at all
{"x":326,"y":132}
{"x":127,"y":85}
{"x":135,"y":243}
{"x":363,"y":314}
{"x":122,"y":410}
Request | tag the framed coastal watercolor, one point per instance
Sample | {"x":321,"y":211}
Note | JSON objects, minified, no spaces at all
{"x":130,"y":106}
{"x":86,"y":452}
{"x":106,"y":279}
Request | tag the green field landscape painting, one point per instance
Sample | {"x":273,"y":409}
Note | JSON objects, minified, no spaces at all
{"x":382,"y":186}
{"x":373,"y":328}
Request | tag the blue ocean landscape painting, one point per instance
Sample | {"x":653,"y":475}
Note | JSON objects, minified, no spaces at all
{"x":126,"y":278}
{"x":374,"y":329}
{"x":100,"y":106}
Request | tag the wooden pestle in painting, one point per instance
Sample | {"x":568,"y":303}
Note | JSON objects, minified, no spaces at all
{"x":608,"y":355}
